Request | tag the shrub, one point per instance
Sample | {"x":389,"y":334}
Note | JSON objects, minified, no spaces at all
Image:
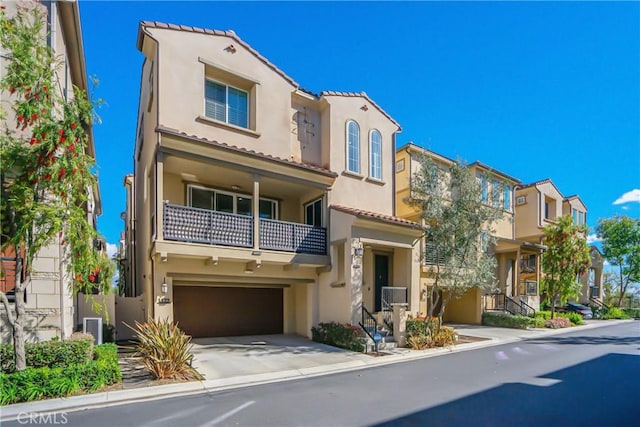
{"x":575,"y":318}
{"x":51,"y":354}
{"x":558,"y":322}
{"x":538,"y":322}
{"x":345,"y":335}
{"x":422,"y":334}
{"x":543,"y":314}
{"x":165,"y":350}
{"x":615,"y":313}
{"x":632,"y":312}
{"x":39,"y":383}
{"x":505,"y":320}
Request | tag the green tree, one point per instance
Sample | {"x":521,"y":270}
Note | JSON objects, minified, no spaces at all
{"x":621,"y":247}
{"x":566,"y":258}
{"x":459,"y":231}
{"x":46,"y":171}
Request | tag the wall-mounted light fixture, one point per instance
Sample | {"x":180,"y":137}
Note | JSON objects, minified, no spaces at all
{"x":235,"y":187}
{"x":164,"y":287}
{"x":358,"y":251}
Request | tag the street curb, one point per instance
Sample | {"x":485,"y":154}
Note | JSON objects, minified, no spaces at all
{"x":120,"y":397}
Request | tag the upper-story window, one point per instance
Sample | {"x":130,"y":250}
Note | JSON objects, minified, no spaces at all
{"x":313,"y":213}
{"x":506,"y":199}
{"x":549,"y":209}
{"x":224,"y":201}
{"x":484,"y":190}
{"x":579,"y":218}
{"x":495,"y":193}
{"x":353,"y":147}
{"x":375,"y":150}
{"x":226,"y":103}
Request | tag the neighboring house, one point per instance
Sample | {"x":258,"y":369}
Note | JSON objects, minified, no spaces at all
{"x":259,"y":207}
{"x":496,"y":190}
{"x":537,"y":205}
{"x":592,"y":292}
{"x":50,"y":304}
{"x":126,"y":251}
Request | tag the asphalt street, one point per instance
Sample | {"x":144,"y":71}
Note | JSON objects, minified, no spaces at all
{"x":582,"y":378}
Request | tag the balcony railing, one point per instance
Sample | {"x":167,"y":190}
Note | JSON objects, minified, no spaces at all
{"x":292,"y":237}
{"x":187,"y":224}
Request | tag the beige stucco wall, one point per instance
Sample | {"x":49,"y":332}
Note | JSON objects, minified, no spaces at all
{"x":181,"y":76}
{"x":360,"y":190}
{"x":466,"y":309}
{"x":527,"y":214}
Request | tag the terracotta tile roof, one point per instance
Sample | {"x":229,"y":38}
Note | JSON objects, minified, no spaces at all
{"x":375,"y":216}
{"x":230,"y":34}
{"x":314,"y":168}
{"x":494,"y":171}
{"x":360,"y":95}
{"x":542,"y":181}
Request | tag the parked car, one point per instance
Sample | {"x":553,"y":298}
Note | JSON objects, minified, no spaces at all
{"x":583,"y":310}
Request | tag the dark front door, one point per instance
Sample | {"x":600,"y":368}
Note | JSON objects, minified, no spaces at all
{"x":381,"y":273}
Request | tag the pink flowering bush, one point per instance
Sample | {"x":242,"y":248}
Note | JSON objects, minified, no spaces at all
{"x":558,"y":322}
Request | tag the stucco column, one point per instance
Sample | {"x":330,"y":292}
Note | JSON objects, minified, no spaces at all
{"x":159,"y":178}
{"x":516,"y":286}
{"x":355,"y":282}
{"x":399,"y":325}
{"x":538,"y":275}
{"x":256,"y":212}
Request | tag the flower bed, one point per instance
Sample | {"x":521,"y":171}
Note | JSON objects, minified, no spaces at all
{"x":341,"y":335}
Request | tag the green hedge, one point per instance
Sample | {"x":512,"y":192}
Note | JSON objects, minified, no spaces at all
{"x":542,"y":314}
{"x":345,"y":336}
{"x":574,"y":318}
{"x":507,"y":320}
{"x":43,"y":383}
{"x":50,"y":354}
{"x":632,"y":312}
{"x":614,"y":313}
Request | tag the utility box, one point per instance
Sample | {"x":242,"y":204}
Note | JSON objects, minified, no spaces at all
{"x":93,"y":326}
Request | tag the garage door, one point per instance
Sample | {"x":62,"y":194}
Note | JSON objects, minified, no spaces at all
{"x":203,"y":311}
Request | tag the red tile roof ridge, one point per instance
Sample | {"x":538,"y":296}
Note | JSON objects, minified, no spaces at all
{"x":361,"y":95}
{"x":168,"y":130}
{"x":228,"y":33}
{"x":374,"y":215}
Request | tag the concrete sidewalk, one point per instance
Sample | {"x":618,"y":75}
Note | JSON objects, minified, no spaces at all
{"x":353,"y":361}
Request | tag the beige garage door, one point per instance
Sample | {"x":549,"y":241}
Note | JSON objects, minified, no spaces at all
{"x":203,"y":311}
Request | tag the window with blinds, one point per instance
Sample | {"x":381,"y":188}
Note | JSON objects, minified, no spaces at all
{"x":226,"y":104}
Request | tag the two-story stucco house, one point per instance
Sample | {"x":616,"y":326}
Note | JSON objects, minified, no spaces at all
{"x":260,"y":207}
{"x":51,"y":307}
{"x":497,"y":190}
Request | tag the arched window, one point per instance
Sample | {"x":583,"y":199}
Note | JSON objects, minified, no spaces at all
{"x":375,"y":152}
{"x":353,"y":147}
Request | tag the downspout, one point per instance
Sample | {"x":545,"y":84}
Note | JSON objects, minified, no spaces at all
{"x":61,"y":276}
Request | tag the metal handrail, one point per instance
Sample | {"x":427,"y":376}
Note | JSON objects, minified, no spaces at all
{"x":528,"y":310}
{"x":367,"y":322}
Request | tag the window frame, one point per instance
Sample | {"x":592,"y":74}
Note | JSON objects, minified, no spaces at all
{"x":311,"y":203}
{"x":235,"y":196}
{"x":226,"y":103}
{"x":357,"y":145}
{"x":506,"y":198}
{"x":371,"y":155}
{"x":484,"y":189}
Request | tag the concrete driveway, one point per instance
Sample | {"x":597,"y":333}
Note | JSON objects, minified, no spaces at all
{"x":227,"y":357}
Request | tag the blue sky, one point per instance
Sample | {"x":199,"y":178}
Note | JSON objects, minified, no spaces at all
{"x":536,"y":90}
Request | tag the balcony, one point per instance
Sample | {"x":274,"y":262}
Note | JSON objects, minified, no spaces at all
{"x":187,"y":224}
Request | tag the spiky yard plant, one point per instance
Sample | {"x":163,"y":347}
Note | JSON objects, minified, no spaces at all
{"x":165,"y":350}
